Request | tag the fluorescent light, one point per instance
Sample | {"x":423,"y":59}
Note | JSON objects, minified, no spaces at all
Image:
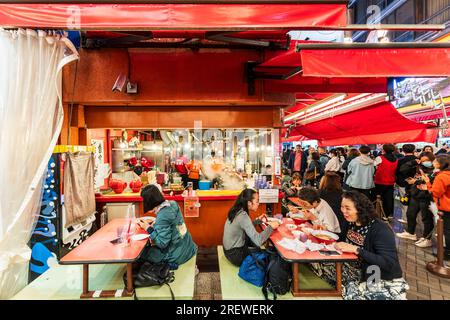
{"x":315,"y":106}
{"x":358,"y":104}
{"x":359,"y":96}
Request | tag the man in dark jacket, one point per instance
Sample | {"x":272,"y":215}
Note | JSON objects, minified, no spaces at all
{"x":405,"y":171}
{"x":298,"y":161}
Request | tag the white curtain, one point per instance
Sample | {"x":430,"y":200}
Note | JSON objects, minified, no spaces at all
{"x":31,"y":117}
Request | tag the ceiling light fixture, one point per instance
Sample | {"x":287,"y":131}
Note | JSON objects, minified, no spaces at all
{"x":355,"y":105}
{"x":322,"y":103}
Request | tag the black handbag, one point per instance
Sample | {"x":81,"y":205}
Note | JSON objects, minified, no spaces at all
{"x":149,"y":274}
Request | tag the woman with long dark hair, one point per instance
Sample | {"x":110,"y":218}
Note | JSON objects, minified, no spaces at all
{"x":374,"y":243}
{"x":239,"y":228}
{"x":330,"y":190}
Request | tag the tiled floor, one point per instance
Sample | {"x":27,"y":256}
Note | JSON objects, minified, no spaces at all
{"x":423,"y":285}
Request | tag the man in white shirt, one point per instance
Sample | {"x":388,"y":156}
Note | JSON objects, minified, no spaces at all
{"x":320,"y":213}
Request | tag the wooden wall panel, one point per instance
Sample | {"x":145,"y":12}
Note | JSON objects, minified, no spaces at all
{"x":181,"y":117}
{"x":174,"y":75}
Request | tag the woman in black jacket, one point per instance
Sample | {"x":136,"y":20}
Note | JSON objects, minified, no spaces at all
{"x":314,"y":172}
{"x":377,"y":274}
{"x":420,"y":201}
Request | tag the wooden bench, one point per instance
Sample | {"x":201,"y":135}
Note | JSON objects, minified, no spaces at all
{"x":235,"y":288}
{"x":64,"y":282}
{"x":182,"y":286}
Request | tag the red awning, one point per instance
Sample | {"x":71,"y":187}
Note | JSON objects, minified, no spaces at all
{"x":300,"y":83}
{"x":294,"y":139}
{"x":173,"y":16}
{"x":399,"y":62}
{"x":368,"y":125}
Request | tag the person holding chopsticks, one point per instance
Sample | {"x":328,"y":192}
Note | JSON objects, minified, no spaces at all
{"x":171,"y":241}
{"x":377,"y":274}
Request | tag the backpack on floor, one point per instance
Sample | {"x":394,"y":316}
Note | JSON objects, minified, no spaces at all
{"x":150,"y":274}
{"x":278,"y":276}
{"x":253,"y":268}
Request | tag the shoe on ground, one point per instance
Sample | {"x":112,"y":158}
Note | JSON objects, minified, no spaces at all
{"x":402,"y":221}
{"x":196,"y":270}
{"x":426,"y":243}
{"x":419,"y":241}
{"x":407,"y":235}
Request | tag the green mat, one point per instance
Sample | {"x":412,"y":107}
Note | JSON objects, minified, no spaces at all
{"x":64,"y":282}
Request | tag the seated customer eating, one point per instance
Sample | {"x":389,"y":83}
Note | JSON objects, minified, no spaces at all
{"x":318,"y":211}
{"x":171,"y":241}
{"x":377,"y":274}
{"x":239,"y":232}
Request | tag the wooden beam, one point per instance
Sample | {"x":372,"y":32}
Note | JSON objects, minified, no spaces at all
{"x":181,"y":117}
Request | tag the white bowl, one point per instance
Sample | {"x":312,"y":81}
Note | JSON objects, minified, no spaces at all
{"x":297,"y":233}
{"x":270,"y":219}
{"x":148,"y":218}
{"x":291,"y":226}
{"x":325,"y":233}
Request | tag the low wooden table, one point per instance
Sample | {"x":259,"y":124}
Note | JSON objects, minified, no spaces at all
{"x":98,"y":249}
{"x":309,"y":257}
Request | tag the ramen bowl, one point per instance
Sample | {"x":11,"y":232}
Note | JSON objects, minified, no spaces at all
{"x":290,"y":226}
{"x":324,"y":237}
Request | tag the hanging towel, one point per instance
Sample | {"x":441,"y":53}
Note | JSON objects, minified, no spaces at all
{"x":79,"y":195}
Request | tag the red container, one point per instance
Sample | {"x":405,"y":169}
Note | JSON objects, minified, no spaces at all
{"x":298,"y":221}
{"x":160,"y":177}
{"x":136,"y":185}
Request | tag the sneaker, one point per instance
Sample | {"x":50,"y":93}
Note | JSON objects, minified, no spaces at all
{"x":407,"y":235}
{"x":196,"y":270}
{"x":402,"y":221}
{"x":426,"y":243}
{"x":419,"y":241}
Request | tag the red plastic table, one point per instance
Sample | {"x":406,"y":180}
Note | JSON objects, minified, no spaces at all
{"x":309,"y":257}
{"x":98,"y":249}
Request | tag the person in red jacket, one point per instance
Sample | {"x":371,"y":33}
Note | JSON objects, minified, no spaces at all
{"x":385,"y":178}
{"x":440,"y":189}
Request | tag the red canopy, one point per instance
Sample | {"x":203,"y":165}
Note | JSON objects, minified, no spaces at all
{"x":173,"y":16}
{"x":379,"y":123}
{"x":399,"y":62}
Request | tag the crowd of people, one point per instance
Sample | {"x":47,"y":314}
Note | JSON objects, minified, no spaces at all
{"x":408,"y":171}
{"x":337,"y":189}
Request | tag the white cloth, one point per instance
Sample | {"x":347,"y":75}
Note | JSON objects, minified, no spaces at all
{"x":326,"y":217}
{"x":378,"y":161}
{"x":293,"y":245}
{"x":334,"y":164}
{"x":31,"y":117}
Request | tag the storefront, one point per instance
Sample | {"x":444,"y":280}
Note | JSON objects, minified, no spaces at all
{"x":167,"y":78}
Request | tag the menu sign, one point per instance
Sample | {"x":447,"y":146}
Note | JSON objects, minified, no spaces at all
{"x":268,"y":195}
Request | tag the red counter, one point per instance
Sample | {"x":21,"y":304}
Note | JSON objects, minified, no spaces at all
{"x":207,"y":229}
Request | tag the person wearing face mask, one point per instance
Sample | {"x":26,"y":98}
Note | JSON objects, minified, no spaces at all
{"x":420,"y":202}
{"x":239,"y":232}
